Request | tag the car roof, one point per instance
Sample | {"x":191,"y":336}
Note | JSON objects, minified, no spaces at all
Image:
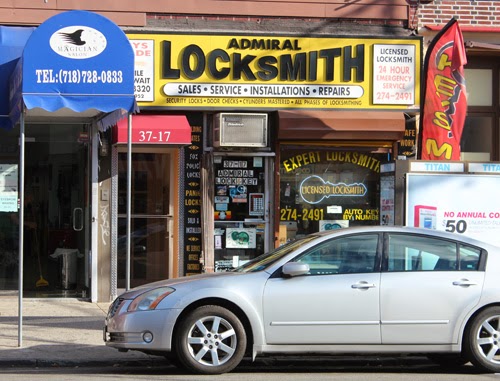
{"x":408,"y":230}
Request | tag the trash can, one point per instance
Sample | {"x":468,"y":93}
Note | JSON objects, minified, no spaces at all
{"x":68,"y":261}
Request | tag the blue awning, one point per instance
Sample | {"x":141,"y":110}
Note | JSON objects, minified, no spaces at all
{"x":12,"y":41}
{"x":78,"y":61}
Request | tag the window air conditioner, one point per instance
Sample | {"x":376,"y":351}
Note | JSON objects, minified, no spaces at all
{"x":240,"y":130}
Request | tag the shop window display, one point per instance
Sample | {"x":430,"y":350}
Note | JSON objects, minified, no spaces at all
{"x":323,"y":189}
{"x":239,"y":210}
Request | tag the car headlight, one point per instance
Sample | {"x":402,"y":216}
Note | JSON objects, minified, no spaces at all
{"x":150,"y":299}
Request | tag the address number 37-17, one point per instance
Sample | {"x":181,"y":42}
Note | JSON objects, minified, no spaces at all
{"x":154,"y":136}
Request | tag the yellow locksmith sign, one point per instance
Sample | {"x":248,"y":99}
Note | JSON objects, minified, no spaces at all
{"x":263,"y":72}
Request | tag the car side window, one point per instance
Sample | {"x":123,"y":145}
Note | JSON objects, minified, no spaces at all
{"x":420,"y":253}
{"x":351,"y":254}
{"x":469,"y":258}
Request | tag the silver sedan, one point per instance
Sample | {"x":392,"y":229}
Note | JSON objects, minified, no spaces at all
{"x":348,"y":291}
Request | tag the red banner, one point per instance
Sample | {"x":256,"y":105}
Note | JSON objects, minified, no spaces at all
{"x":444,"y":99}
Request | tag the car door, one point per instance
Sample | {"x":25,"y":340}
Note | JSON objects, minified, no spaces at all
{"x":427,"y":287}
{"x":337,"y":302}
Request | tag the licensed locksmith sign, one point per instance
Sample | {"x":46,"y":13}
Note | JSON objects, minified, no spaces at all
{"x":269,"y":72}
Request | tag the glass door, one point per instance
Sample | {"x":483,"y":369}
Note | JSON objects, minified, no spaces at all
{"x":150,"y":218}
{"x":241,"y":209}
{"x":57,"y":204}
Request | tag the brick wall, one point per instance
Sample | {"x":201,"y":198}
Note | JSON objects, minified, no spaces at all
{"x":469,"y":12}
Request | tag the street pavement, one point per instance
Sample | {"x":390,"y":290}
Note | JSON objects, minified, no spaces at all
{"x":68,"y":333}
{"x":59,"y":332}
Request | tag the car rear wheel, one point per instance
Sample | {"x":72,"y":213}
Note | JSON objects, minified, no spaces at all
{"x":210,"y":340}
{"x":482,"y":340}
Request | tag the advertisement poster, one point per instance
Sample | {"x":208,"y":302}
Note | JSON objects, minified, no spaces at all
{"x":387,"y":200}
{"x":8,"y":187}
{"x":462,"y":204}
{"x":240,"y":238}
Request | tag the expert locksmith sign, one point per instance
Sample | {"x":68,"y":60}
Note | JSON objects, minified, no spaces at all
{"x":227,"y":71}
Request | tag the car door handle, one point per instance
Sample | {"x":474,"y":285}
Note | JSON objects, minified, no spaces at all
{"x":363,"y":285}
{"x":464,"y":282}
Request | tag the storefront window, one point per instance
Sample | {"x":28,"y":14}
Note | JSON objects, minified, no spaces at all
{"x":239,"y":211}
{"x":322,"y":189}
{"x":478,"y":85}
{"x":477,"y":138}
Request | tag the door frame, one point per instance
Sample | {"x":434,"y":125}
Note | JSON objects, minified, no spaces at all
{"x":91,"y":263}
{"x":173,"y":207}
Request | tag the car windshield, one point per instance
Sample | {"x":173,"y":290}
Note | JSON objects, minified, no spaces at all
{"x":265,"y":260}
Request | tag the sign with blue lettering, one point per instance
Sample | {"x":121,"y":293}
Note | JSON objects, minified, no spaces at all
{"x":77,"y":60}
{"x":436,"y":166}
{"x":484,"y":168}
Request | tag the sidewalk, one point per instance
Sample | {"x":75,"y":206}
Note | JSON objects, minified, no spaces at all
{"x":68,"y":333}
{"x":59,"y":332}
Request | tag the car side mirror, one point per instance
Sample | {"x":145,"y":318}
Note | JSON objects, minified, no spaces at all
{"x":295,"y":269}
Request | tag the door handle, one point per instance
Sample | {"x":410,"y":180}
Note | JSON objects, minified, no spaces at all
{"x":78,"y":219}
{"x":363,"y":285}
{"x":464,"y":283}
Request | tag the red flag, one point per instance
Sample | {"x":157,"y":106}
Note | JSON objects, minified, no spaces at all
{"x":444,"y":103}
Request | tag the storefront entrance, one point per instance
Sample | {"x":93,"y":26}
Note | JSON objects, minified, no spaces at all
{"x":151,"y":218}
{"x":57,"y":204}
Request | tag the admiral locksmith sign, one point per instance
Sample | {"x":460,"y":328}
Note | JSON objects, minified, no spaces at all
{"x":204,"y":71}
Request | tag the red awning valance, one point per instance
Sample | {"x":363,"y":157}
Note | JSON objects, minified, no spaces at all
{"x":154,"y":129}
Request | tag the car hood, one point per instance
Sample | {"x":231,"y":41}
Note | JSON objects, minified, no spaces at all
{"x":178,"y":281}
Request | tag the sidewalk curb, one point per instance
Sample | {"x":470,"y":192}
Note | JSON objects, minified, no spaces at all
{"x":288,"y":362}
{"x":43,"y":363}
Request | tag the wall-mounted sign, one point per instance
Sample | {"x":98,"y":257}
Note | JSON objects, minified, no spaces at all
{"x":144,"y":70}
{"x":436,"y":166}
{"x":272,"y":72}
{"x":192,"y":201}
{"x":394,"y":73}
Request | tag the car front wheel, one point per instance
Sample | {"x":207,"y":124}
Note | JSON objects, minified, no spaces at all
{"x":210,"y":340}
{"x":482,"y":342}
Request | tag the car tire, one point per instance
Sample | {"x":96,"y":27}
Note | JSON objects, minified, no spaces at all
{"x":448,"y":360}
{"x":482,"y":340}
{"x":210,"y":340}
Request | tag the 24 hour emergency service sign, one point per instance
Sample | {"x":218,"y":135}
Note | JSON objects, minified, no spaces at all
{"x":222,"y":71}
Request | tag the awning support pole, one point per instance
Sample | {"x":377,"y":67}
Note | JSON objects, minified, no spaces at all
{"x":129,"y":198}
{"x":21,"y":230}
